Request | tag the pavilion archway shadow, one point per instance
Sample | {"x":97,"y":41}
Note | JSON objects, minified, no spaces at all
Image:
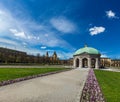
{"x":77,"y":62}
{"x":85,"y":63}
{"x":93,"y":61}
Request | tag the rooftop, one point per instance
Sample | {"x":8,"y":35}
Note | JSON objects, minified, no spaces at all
{"x":87,"y":49}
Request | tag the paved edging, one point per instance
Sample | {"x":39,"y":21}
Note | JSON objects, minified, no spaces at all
{"x":80,"y":92}
{"x":3,"y":83}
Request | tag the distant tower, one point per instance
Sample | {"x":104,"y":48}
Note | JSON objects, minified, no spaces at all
{"x":54,"y":56}
{"x":47,"y":55}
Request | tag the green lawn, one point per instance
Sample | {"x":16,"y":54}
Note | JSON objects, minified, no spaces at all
{"x":13,"y":73}
{"x":110,"y":84}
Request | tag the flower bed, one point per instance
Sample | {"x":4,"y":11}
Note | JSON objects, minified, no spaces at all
{"x":91,"y":91}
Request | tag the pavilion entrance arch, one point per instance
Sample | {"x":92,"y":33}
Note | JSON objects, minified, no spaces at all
{"x":85,"y":63}
{"x":93,"y":62}
{"x":77,"y":62}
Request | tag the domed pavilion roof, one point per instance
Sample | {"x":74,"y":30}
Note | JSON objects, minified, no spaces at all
{"x":86,"y":49}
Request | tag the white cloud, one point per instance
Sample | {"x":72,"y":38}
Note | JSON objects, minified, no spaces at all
{"x":7,"y":41}
{"x":24,"y":43}
{"x":111,"y":14}
{"x":104,"y":55}
{"x":14,"y":31}
{"x":5,"y":20}
{"x":64,"y":55}
{"x":1,"y":12}
{"x":43,"y":47}
{"x":63,"y":25}
{"x":96,"y":30}
{"x":46,"y":35}
{"x":20,"y":34}
{"x":17,"y":33}
{"x":23,"y":29}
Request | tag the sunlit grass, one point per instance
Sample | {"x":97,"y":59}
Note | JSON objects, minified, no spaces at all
{"x":110,"y":84}
{"x":13,"y":73}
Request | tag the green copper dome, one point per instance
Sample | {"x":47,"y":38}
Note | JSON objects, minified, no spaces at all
{"x":88,"y":50}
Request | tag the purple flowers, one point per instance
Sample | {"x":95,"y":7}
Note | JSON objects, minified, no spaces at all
{"x":91,"y":91}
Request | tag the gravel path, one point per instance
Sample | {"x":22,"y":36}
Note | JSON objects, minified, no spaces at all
{"x":61,"y":87}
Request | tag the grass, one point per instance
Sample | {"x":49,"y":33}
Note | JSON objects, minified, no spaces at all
{"x":110,"y":84}
{"x":13,"y":73}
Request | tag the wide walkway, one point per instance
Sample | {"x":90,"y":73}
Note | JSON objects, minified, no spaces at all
{"x":61,"y":87}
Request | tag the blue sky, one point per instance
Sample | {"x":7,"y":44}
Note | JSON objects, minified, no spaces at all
{"x":37,"y":26}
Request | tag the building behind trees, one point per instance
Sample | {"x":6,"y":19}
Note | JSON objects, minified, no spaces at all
{"x":10,"y":56}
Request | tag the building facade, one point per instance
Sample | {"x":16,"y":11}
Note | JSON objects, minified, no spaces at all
{"x":107,"y":62}
{"x":115,"y":63}
{"x":86,"y":57}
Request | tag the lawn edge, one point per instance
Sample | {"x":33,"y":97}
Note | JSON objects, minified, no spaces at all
{"x":7,"y":82}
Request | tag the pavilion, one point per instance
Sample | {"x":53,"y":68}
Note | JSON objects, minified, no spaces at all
{"x":86,"y":57}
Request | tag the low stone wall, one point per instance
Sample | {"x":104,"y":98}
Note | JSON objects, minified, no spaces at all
{"x":91,"y":91}
{"x":2,"y":83}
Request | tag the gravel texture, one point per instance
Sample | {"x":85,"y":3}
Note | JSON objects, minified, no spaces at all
{"x":61,"y":87}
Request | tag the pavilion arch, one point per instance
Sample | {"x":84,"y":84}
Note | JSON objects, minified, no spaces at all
{"x":77,"y":62}
{"x":85,"y":63}
{"x":93,"y":62}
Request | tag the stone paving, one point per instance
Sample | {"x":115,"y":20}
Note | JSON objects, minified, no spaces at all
{"x":61,"y":87}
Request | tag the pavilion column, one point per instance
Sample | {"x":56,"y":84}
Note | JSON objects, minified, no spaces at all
{"x":89,"y":62}
{"x":80,"y":63}
{"x":74,"y":62}
{"x":97,"y":63}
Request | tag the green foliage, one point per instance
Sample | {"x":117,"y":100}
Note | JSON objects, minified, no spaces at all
{"x":13,"y":73}
{"x":110,"y":84}
{"x":10,"y":56}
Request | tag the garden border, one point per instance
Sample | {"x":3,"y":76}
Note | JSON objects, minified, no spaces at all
{"x":7,"y":82}
{"x":91,"y":91}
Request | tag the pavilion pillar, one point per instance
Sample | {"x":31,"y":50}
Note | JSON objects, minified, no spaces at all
{"x":80,"y":63}
{"x":89,"y":62}
{"x":74,"y":62}
{"x":97,"y":64}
